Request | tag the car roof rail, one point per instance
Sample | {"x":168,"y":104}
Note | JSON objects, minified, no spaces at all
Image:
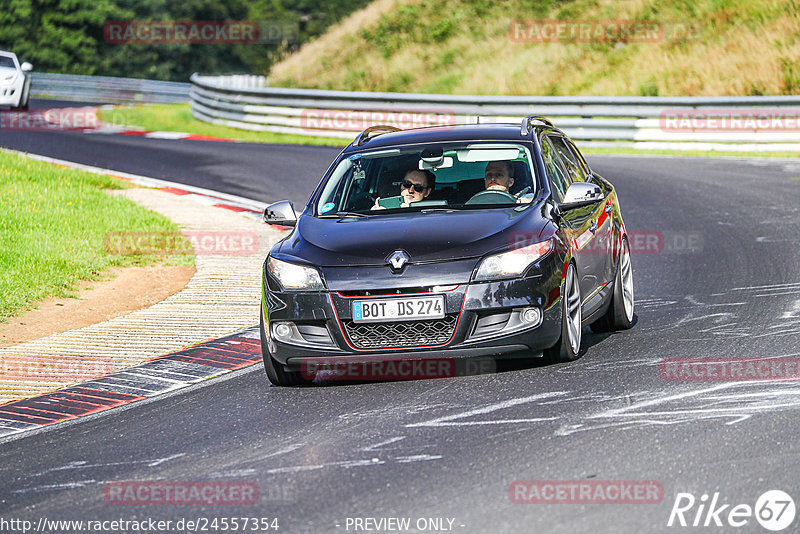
{"x":373,"y":131}
{"x":527,"y":126}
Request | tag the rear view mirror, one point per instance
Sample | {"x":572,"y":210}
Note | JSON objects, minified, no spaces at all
{"x":26,"y":67}
{"x":444,"y":163}
{"x":434,"y":158}
{"x":280,"y":213}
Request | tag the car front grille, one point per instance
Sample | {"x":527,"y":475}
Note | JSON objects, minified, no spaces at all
{"x":401,"y":334}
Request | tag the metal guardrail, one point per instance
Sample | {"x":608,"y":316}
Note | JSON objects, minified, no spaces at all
{"x":639,"y":122}
{"x":105,"y":89}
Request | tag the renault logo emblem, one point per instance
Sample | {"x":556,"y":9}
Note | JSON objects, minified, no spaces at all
{"x":398,"y":259}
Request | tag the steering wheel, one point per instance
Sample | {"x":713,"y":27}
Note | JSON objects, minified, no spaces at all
{"x":492,"y":196}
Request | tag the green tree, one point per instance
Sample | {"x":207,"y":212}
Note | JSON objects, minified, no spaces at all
{"x":58,"y":35}
{"x":66,"y":36}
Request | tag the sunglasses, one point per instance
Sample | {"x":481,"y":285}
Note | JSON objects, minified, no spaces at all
{"x":419,"y":188}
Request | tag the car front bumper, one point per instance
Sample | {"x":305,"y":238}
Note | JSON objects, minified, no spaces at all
{"x":11,"y":93}
{"x":482,"y":319}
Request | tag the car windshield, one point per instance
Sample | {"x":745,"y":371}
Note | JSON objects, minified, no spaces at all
{"x":444,"y":176}
{"x":7,"y":62}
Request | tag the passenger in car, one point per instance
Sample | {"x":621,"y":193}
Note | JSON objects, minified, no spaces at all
{"x":416,"y":186}
{"x":499,"y":176}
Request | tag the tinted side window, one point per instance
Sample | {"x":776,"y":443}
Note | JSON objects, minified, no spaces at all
{"x":555,"y":170}
{"x":576,"y":172}
{"x":581,"y":159}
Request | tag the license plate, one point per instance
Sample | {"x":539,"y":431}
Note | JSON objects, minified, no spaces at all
{"x":398,"y":309}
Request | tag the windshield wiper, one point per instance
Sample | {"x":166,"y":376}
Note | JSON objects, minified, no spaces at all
{"x":465,"y":207}
{"x":343,"y":214}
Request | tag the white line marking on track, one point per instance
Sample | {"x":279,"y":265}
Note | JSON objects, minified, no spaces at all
{"x":284,"y":450}
{"x":417,"y":458}
{"x":82,"y":464}
{"x":66,"y":485}
{"x":167,"y":135}
{"x":382,"y":443}
{"x":167,"y":459}
{"x":344,"y":463}
{"x":448,"y":419}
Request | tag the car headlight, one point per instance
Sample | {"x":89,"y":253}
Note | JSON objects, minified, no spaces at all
{"x":513,"y":263}
{"x":293,"y":277}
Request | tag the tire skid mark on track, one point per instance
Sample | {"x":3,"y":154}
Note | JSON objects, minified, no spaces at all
{"x":716,"y":315}
{"x":155,"y":377}
{"x":730,"y":403}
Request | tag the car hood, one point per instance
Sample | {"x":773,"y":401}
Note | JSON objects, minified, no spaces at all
{"x":426,"y":237}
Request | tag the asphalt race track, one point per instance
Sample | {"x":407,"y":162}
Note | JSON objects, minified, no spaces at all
{"x":715,"y":273}
{"x":256,"y":171}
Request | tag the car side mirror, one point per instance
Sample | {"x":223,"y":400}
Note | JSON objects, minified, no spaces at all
{"x":280,"y":213}
{"x":26,"y":67}
{"x":580,"y":194}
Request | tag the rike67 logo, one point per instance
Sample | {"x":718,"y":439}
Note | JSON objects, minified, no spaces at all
{"x":774,"y":510}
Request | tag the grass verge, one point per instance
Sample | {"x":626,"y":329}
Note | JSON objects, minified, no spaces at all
{"x":179,"y":118}
{"x":53,"y":225}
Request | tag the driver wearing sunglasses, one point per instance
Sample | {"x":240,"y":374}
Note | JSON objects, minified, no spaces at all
{"x":416,"y":186}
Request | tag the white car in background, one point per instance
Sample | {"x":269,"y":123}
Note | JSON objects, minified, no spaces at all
{"x":15,"y":82}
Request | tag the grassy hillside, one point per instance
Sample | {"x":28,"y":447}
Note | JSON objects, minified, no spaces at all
{"x":707,"y":47}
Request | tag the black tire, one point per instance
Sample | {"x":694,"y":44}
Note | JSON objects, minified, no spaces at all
{"x":275,"y":372}
{"x":619,"y":316}
{"x":565,"y":350}
{"x":24,"y":98}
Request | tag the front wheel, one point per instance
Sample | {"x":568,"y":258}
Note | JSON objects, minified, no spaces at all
{"x":620,"y":312}
{"x":275,"y":372}
{"x":568,"y":347}
{"x":24,"y":98}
